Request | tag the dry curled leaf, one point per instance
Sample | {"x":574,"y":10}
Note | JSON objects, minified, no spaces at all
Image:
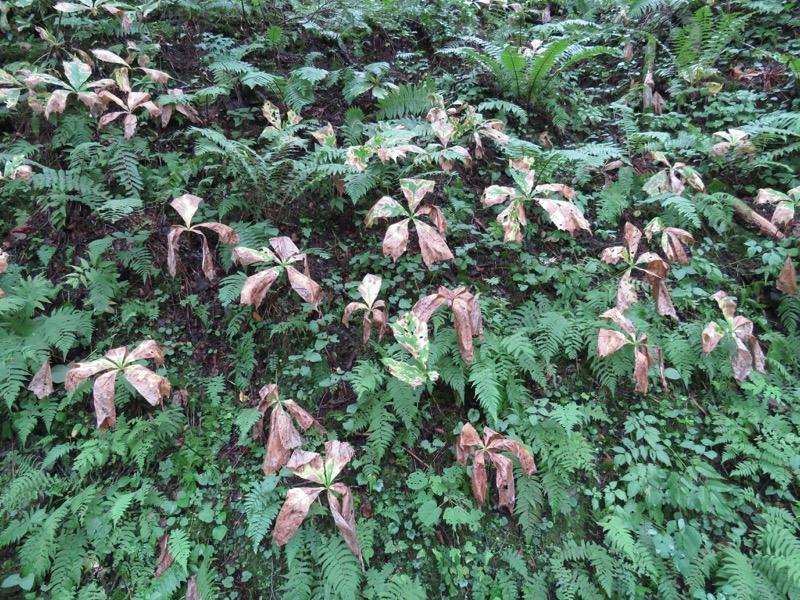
{"x":787,"y":279}
{"x":470,"y":443}
{"x":152,"y":386}
{"x":466,"y":315}
{"x":431,"y":239}
{"x":283,"y":435}
{"x":42,"y":383}
{"x":784,"y":211}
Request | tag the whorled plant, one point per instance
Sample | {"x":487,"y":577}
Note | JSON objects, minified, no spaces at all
{"x":673,"y":178}
{"x":312,"y":467}
{"x":489,"y":449}
{"x":117,"y":361}
{"x":186,"y":206}
{"x":466,"y":315}
{"x":412,"y":334}
{"x":563,"y":213}
{"x":610,"y":341}
{"x":748,"y":355}
{"x":431,"y":239}
{"x":285,"y":255}
{"x":283,"y":435}
{"x":655,"y":269}
{"x":375,"y":310}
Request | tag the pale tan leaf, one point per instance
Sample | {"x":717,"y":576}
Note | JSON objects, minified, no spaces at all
{"x":609,"y":341}
{"x":293,"y":513}
{"x":79,"y":372}
{"x":325,"y":136}
{"x":345,"y":517}
{"x":497,"y":194}
{"x":672,"y":240}
{"x":395,"y":152}
{"x":504,"y":480}
{"x":271,"y":114}
{"x":612,"y":255}
{"x":337,"y":455}
{"x":632,"y":237}
{"x":520,"y":451}
{"x":104,"y":408}
{"x":256,"y":287}
{"x":384,"y":208}
{"x":148,"y":349}
{"x":431,"y":243}
{"x":42,"y":383}
{"x":156,"y":76}
{"x":107,"y":56}
{"x":351,"y":308}
{"x":661,"y":370}
{"x":56,"y":103}
{"x":426,"y":306}
{"x":464,"y":307}
{"x":172,"y":248}
{"x":615,"y":315}
{"x":711,"y":336}
{"x":129,"y":123}
{"x":784,"y":213}
{"x":415,"y":190}
{"x":436,"y":216}
{"x":565,"y":215}
{"x":742,"y":327}
{"x":247,"y":256}
{"x":656,"y":275}
{"x":770,"y":196}
{"x":396,"y":240}
{"x":787,"y":279}
{"x":308,"y":289}
{"x":164,"y":557}
{"x":741,"y":361}
{"x":369,"y":288}
{"x":307,"y":465}
{"x":726,"y":305}
{"x":642,"y":363}
{"x":305,"y":420}
{"x":192,"y":593}
{"x":282,"y":439}
{"x":284,"y":247}
{"x":559,"y":188}
{"x":759,"y":362}
{"x":269,"y":393}
{"x":626,"y":292}
{"x":442,"y":127}
{"x":108,"y":118}
{"x":152,"y":386}
{"x":208,"y":260}
{"x":512,"y":219}
{"x":479,"y":477}
{"x":466,"y":442}
{"x":3,"y":261}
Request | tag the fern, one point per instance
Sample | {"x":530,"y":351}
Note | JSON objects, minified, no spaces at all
{"x":261,"y":506}
{"x":179,"y":545}
{"x":406,"y":100}
{"x":341,"y":570}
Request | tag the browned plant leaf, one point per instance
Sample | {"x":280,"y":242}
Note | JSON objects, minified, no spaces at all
{"x":293,"y":512}
{"x":656,"y":275}
{"x":609,"y":341}
{"x":104,"y":408}
{"x":642,"y":363}
{"x":564,"y":215}
{"x":787,"y":279}
{"x":192,"y":592}
{"x":42,"y":383}
{"x":345,"y":517}
{"x":164,"y":557}
{"x":466,"y":315}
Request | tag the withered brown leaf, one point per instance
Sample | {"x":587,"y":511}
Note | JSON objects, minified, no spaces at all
{"x":466,"y":315}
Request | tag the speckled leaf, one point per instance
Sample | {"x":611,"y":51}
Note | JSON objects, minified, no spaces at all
{"x":42,"y":383}
{"x":787,"y":279}
{"x":293,"y":512}
{"x":565,"y":215}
